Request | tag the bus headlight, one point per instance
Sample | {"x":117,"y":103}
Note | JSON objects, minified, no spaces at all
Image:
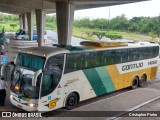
{"x":11,"y":96}
{"x":32,"y":105}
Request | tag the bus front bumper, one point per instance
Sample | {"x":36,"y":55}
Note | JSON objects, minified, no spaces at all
{"x":25,"y":106}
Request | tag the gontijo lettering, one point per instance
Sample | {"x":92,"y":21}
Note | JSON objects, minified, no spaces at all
{"x":132,"y":66}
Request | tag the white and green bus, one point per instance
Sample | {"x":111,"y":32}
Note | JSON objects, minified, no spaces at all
{"x":48,"y":78}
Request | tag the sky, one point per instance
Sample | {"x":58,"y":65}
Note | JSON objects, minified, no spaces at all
{"x":148,"y":8}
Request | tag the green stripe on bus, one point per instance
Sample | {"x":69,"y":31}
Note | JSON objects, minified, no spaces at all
{"x":106,"y":79}
{"x":95,"y":81}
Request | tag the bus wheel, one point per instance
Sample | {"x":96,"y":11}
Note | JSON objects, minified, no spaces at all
{"x":135,"y":83}
{"x":71,"y":101}
{"x":142,"y":80}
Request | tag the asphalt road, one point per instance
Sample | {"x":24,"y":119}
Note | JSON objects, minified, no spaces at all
{"x":52,"y":36}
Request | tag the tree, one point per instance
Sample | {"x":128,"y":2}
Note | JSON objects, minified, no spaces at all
{"x":89,"y":33}
{"x":132,"y":27}
{"x":13,"y":25}
{"x":119,"y":23}
{"x":152,"y":34}
{"x":136,"y":19}
{"x":99,"y":34}
{"x":113,"y":36}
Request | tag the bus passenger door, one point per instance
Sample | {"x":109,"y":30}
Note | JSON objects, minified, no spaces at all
{"x":51,"y":93}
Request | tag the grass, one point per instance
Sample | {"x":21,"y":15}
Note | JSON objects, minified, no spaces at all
{"x":138,"y":37}
{"x":80,"y":32}
{"x":8,"y":28}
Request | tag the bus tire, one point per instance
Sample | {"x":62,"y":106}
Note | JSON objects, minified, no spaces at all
{"x":142,"y":81}
{"x":71,"y":101}
{"x":135,"y":83}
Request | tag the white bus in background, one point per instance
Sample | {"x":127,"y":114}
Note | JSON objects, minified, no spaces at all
{"x":48,"y":78}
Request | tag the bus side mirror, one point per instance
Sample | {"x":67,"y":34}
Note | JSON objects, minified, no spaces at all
{"x":12,"y":63}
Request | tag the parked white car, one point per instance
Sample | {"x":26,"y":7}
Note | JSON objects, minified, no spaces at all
{"x":23,"y":35}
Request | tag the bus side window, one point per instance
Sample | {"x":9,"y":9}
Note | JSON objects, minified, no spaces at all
{"x":55,"y":61}
{"x":102,"y":58}
{"x":144,"y":52}
{"x":47,"y":84}
{"x":74,"y":62}
{"x":120,"y":56}
{"x":135,"y":54}
{"x":106,"y":58}
{"x":155,"y":51}
{"x":109,"y":57}
{"x":52,"y":74}
{"x":79,"y":60}
{"x":131,"y":55}
{"x":50,"y":81}
{"x":91,"y":60}
{"x":150,"y":52}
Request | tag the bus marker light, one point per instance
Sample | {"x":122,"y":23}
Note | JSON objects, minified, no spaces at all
{"x":1,"y":53}
{"x":17,"y":88}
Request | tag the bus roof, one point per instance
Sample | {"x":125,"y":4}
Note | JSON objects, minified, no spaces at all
{"x":47,"y":51}
{"x":44,"y":51}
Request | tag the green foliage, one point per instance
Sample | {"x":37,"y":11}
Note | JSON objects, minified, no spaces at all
{"x":132,"y":27}
{"x":113,"y":36}
{"x":142,"y":25}
{"x":85,"y":26}
{"x":152,"y":34}
{"x":99,"y":34}
{"x":92,"y":24}
{"x":119,"y":23}
{"x":89,"y":32}
{"x":9,"y":21}
{"x":13,"y":25}
{"x":158,"y":43}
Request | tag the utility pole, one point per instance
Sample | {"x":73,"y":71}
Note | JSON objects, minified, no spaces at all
{"x":109,"y":19}
{"x":159,"y":28}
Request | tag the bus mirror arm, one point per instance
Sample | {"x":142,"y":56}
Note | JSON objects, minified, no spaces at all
{"x":12,"y":63}
{"x":43,"y":70}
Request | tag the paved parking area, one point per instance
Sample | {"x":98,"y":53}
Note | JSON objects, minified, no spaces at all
{"x":123,"y":102}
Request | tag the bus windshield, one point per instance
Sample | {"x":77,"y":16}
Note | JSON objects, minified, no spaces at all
{"x":23,"y":83}
{"x":28,"y":61}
